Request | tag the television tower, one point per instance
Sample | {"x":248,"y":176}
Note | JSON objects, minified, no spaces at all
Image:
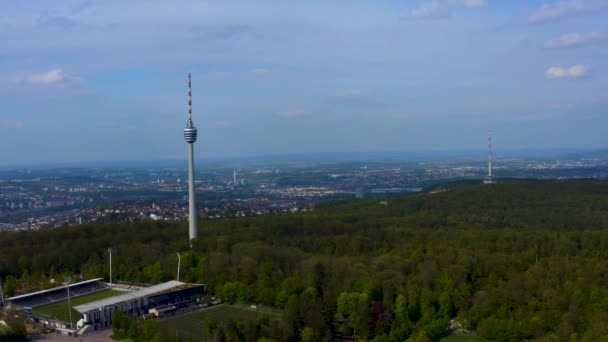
{"x":489,"y":180}
{"x":190,"y":133}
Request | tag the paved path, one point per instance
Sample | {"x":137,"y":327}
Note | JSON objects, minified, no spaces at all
{"x":95,"y":336}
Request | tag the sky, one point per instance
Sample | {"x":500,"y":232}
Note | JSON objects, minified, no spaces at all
{"x":87,"y":80}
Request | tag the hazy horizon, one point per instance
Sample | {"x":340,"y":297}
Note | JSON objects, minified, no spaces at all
{"x":403,"y":156}
{"x":87,"y":80}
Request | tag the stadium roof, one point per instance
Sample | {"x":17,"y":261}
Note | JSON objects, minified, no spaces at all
{"x":53,"y":289}
{"x":146,"y":292}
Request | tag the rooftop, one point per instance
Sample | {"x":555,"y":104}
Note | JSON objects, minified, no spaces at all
{"x":146,"y":292}
{"x":54,"y":289}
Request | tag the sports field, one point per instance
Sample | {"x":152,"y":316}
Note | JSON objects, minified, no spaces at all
{"x":192,"y":326}
{"x":59,"y":310}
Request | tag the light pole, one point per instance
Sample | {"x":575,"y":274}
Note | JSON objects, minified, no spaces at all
{"x":179,"y":262}
{"x":68,"y":280}
{"x":1,"y":293}
{"x":110,"y":251}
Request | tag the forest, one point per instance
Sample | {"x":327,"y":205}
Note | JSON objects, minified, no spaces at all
{"x":511,"y":261}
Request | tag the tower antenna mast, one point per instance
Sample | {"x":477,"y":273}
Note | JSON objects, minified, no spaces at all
{"x":189,"y":98}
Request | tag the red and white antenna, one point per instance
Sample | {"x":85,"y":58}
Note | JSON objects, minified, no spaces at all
{"x":189,"y":97}
{"x":190,"y":131}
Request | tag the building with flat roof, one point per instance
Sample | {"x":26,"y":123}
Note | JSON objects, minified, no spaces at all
{"x":98,"y":314}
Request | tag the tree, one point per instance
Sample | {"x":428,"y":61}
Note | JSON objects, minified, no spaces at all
{"x":360,"y":319}
{"x":319,"y":277}
{"x":211,"y":325}
{"x":266,"y":296}
{"x":420,"y":337}
{"x":400,"y":334}
{"x":121,"y":324}
{"x":308,"y":335}
{"x":233,"y":291}
{"x":10,"y":286}
{"x":512,"y":261}
{"x":401,"y":310}
{"x":133,"y":330}
{"x":380,"y":319}
{"x":16,"y":328}
{"x":380,"y":338}
{"x":447,"y":307}
{"x":343,"y":305}
{"x":151,"y":328}
{"x":292,"y":315}
{"x":158,"y":337}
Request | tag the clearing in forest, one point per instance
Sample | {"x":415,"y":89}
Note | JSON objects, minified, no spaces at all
{"x":192,"y":325}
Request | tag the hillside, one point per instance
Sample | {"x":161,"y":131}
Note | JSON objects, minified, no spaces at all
{"x":524,"y":260}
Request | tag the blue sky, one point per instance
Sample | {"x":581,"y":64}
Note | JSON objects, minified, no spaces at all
{"x":106,"y":80}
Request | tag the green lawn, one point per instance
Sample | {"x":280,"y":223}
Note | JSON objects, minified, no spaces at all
{"x":259,"y":310}
{"x":191,"y":326}
{"x":460,"y":337}
{"x":60,"y":310}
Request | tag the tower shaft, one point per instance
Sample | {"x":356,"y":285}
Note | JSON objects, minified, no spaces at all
{"x":193,"y":231}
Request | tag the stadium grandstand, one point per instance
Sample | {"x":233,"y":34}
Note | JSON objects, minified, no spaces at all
{"x":170,"y":298}
{"x":58,"y":294}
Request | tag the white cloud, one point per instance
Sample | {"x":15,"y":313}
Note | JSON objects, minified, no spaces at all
{"x":52,"y":77}
{"x":562,"y":106}
{"x":575,"y":39}
{"x":12,"y":124}
{"x":218,"y":74}
{"x":575,"y":71}
{"x":562,"y":9}
{"x":528,"y":117}
{"x":439,"y":10}
{"x":467,"y":3}
{"x":432,"y":10}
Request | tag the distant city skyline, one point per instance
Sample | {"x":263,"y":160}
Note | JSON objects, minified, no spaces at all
{"x":103,"y":80}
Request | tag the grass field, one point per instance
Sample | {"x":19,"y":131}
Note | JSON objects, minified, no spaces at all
{"x":191,"y":326}
{"x":460,"y":337}
{"x":60,"y":310}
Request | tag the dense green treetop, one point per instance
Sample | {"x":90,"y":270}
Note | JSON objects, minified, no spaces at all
{"x":513,"y":261}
